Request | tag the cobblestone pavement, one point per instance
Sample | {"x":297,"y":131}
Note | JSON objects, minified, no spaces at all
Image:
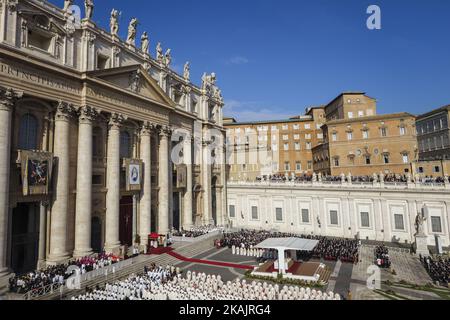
{"x":406,"y":265}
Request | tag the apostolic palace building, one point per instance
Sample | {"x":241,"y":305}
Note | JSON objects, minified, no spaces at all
{"x":91,"y":127}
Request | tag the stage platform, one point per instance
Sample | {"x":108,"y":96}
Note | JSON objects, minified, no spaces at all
{"x":307,"y":271}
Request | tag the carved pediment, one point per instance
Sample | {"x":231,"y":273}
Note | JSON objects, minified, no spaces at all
{"x":41,"y":21}
{"x":136,"y":80}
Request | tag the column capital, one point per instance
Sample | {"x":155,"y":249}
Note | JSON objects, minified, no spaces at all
{"x":147,"y":128}
{"x":116,"y":120}
{"x":64,"y":111}
{"x":88,"y":114}
{"x":165,"y":131}
{"x":8,"y":98}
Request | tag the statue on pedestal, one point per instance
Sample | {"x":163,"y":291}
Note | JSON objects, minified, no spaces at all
{"x":159,"y":53}
{"x":114,"y":22}
{"x":132,"y":27}
{"x":187,"y":71}
{"x":168,"y":58}
{"x":420,"y":221}
{"x":89,"y":8}
{"x":145,"y":43}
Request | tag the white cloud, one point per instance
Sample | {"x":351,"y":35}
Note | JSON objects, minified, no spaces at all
{"x":238,"y":60}
{"x":252,"y":111}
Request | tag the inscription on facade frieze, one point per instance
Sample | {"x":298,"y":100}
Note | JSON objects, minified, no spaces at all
{"x":37,"y":78}
{"x":116,"y":100}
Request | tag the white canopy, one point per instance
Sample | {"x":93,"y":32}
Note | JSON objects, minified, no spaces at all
{"x":288,"y":244}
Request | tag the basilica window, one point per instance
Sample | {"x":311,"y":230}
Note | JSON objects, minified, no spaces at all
{"x":436,"y":225}
{"x":232,"y":211}
{"x":97,"y":143}
{"x":398,"y":221}
{"x":28,"y":132}
{"x":125,"y":144}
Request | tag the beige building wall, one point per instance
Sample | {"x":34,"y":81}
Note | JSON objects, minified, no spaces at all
{"x":364,"y":146}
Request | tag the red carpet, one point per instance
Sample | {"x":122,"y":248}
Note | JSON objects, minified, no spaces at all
{"x":293,"y":269}
{"x":212,"y":263}
{"x":160,"y":250}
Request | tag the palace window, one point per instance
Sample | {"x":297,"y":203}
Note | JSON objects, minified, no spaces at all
{"x":336,"y":162}
{"x":286,"y":147}
{"x":368,"y":161}
{"x":232,"y":211}
{"x":365,"y":134}
{"x":296,"y":126}
{"x":405,"y":159}
{"x":308,"y":136}
{"x":297,"y":146}
{"x":254,"y":213}
{"x":125,"y":144}
{"x":360,"y":114}
{"x":296,"y":136}
{"x":298,"y":166}
{"x":350,"y":115}
{"x":287,"y":166}
{"x":279,"y":214}
{"x":334,"y":136}
{"x":436,"y":225}
{"x":365,"y":222}
{"x":383,"y":132}
{"x":398,"y":221}
{"x":308,"y":146}
{"x":402,"y":131}
{"x":307,"y":126}
{"x":349,"y":136}
{"x":28,"y":132}
{"x":310,"y":165}
{"x":285,"y":127}
{"x":320,"y":136}
{"x":305,"y":215}
{"x":285,"y":137}
{"x":334,"y":217}
{"x":386,"y":158}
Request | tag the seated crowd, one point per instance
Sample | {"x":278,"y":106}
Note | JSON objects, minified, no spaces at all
{"x":382,"y":258}
{"x":345,"y":250}
{"x":58,"y":275}
{"x":438,"y":268}
{"x":168,"y":284}
{"x":195,"y":232}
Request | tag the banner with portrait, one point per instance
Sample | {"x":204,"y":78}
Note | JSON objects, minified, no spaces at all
{"x":133,"y":169}
{"x":181,"y":176}
{"x":36,"y":169}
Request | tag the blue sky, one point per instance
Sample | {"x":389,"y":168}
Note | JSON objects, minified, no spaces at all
{"x":273,"y":58}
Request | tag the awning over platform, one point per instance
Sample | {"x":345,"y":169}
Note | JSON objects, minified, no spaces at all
{"x":288,"y":244}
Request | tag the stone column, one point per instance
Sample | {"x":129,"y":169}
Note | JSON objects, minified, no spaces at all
{"x":7,"y":101}
{"x":83,"y":213}
{"x":188,"y":196}
{"x":206,"y":174}
{"x":146,"y":193}
{"x":58,"y":228}
{"x":112,"y":241}
{"x":163,"y":174}
{"x":42,"y":234}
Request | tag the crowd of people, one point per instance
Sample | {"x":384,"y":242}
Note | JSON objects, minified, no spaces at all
{"x":244,"y":241}
{"x":438,"y":268}
{"x":382,"y":258}
{"x":57,"y":275}
{"x":196,"y":231}
{"x":387,"y":178}
{"x":167,"y":284}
